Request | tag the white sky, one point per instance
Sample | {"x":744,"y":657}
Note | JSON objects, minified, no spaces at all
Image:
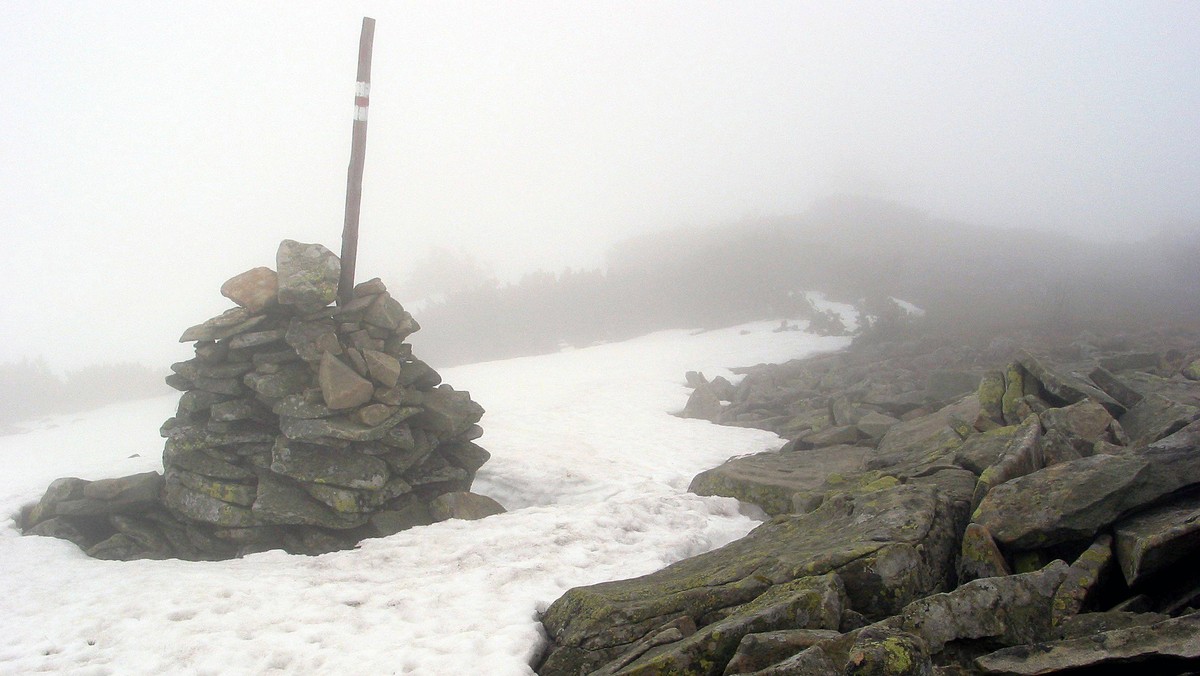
{"x":152,"y":150}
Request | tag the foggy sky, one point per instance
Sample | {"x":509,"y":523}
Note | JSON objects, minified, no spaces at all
{"x":152,"y":150}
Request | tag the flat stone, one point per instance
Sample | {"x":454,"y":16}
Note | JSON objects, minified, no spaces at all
{"x":371,"y":287}
{"x":1155,"y":417}
{"x":303,"y":406}
{"x":1153,"y":540}
{"x":308,"y":275}
{"x":282,"y":503}
{"x":226,"y":491}
{"x":229,"y":323}
{"x":323,"y":465}
{"x":1072,"y":501}
{"x":373,"y":415}
{"x":890,"y":548}
{"x":255,"y":339}
{"x":1158,"y":648}
{"x":338,"y":428}
{"x":203,"y":508}
{"x":447,"y":412}
{"x":1067,"y":388}
{"x":289,"y":379}
{"x":341,"y":387}
{"x":770,"y":479}
{"x":254,"y":289}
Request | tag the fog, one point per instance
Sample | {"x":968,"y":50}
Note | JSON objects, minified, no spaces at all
{"x":153,"y":150}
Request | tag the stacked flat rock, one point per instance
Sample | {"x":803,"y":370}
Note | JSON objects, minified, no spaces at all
{"x":307,"y":426}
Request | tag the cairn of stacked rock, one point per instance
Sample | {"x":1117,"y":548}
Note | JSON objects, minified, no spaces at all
{"x":302,"y":426}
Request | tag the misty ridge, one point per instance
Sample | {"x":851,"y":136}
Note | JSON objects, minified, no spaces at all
{"x":30,"y":388}
{"x":858,"y":250}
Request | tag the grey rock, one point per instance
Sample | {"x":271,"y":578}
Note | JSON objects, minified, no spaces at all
{"x":770,"y":479}
{"x":1156,"y":417}
{"x":384,"y":368}
{"x":311,"y":339}
{"x":290,"y":379}
{"x":1150,"y":649}
{"x":1066,"y":388}
{"x":283,"y":503}
{"x":463,"y":505}
{"x":341,"y":387}
{"x":1085,"y":576}
{"x":1152,"y":540}
{"x":702,"y":403}
{"x":447,"y":412}
{"x":229,"y":323}
{"x":1072,"y":501}
{"x":308,"y":275}
{"x":319,"y":464}
{"x":197,"y":506}
{"x":889,"y":548}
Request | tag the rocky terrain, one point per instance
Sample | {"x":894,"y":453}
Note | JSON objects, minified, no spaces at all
{"x":302,"y":426}
{"x":1026,"y":503}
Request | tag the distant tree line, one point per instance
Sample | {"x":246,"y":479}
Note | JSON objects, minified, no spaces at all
{"x":30,"y":389}
{"x":856,"y":250}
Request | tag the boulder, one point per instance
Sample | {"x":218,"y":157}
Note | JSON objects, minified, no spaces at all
{"x":769,"y":480}
{"x":341,"y":387}
{"x":1064,"y":388}
{"x":319,"y":464}
{"x":761,"y":650}
{"x":447,"y":412}
{"x":1158,"y":648}
{"x":1022,"y":455}
{"x":806,"y":603}
{"x":307,"y":274}
{"x":980,"y":557}
{"x":702,"y":403}
{"x":889,"y":548}
{"x":1084,"y":578}
{"x":1152,"y":540}
{"x":255,"y":289}
{"x":980,"y":451}
{"x":383,"y":368}
{"x":928,"y":440}
{"x":1155,"y":417}
{"x":1072,"y":501}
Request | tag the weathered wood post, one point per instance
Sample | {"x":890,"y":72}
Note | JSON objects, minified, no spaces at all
{"x":358,"y":151}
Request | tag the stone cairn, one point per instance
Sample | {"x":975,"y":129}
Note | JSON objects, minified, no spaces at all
{"x":302,"y":426}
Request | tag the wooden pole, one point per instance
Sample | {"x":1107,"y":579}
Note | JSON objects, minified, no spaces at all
{"x":358,"y":151}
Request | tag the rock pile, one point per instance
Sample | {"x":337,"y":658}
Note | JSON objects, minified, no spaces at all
{"x":933,"y":515}
{"x":302,"y":426}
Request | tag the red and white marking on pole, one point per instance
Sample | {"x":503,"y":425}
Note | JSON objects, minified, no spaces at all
{"x":362,"y":100}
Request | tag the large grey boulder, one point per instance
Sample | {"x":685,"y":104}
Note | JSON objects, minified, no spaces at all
{"x":1072,"y":501}
{"x":308,"y":275}
{"x":1152,"y":540}
{"x":770,"y":480}
{"x":1158,"y":648}
{"x":888,"y":548}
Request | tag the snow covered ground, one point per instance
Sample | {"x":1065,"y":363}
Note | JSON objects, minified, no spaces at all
{"x":585,"y":456}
